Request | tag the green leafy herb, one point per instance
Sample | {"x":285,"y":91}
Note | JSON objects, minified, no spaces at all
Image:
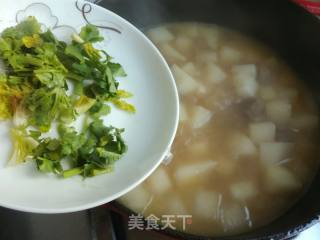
{"x":23,"y":145}
{"x":99,"y":109}
{"x":90,"y":33}
{"x":90,"y":153}
{"x":35,"y":91}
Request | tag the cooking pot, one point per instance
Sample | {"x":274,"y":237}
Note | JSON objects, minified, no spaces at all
{"x":282,"y":25}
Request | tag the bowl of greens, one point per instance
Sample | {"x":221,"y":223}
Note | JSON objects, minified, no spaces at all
{"x":88,"y":106}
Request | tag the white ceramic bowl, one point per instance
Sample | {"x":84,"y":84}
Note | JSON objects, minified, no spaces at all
{"x":149,"y":132}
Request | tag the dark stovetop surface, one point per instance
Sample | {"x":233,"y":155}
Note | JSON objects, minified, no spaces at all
{"x":95,"y":224}
{"x":19,"y":225}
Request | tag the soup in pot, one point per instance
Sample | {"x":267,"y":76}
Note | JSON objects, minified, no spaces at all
{"x":245,"y":149}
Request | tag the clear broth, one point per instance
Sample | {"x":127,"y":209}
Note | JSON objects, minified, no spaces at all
{"x":236,"y":180}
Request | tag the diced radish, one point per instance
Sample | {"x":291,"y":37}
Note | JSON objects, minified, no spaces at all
{"x":175,"y":205}
{"x":190,"y":172}
{"x":206,"y":204}
{"x":245,"y":70}
{"x":243,"y":190}
{"x":279,"y":111}
{"x":274,"y":152}
{"x":234,"y":218}
{"x":306,"y":121}
{"x":171,"y":53}
{"x":244,"y":77}
{"x":267,"y":92}
{"x":214,"y":73}
{"x":211,"y":36}
{"x":229,"y":55}
{"x":280,"y":179}
{"x":191,"y":69}
{"x":262,"y":132}
{"x":137,"y":199}
{"x":159,"y":181}
{"x":207,"y":57}
{"x":201,"y":116}
{"x":184,"y":43}
{"x":186,"y":83}
{"x":160,"y":34}
{"x":241,"y":145}
{"x":183,"y":115}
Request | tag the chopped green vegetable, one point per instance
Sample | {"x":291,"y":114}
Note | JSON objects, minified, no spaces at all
{"x":83,"y":104}
{"x":26,"y":28}
{"x":99,"y":109}
{"x":123,"y":94}
{"x":123,"y":105}
{"x":90,"y":153}
{"x":90,"y":33}
{"x":32,"y":41}
{"x":23,"y":145}
{"x":47,"y":105}
{"x":35,"y":91}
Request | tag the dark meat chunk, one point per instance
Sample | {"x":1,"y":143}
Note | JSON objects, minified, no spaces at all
{"x":253,"y":109}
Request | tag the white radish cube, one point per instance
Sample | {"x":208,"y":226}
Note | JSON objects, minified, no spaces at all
{"x":190,"y":69}
{"x":175,"y":205}
{"x":306,"y":121}
{"x":159,"y":181}
{"x":206,"y":204}
{"x":243,"y":190}
{"x":267,"y":92}
{"x":214,"y":73}
{"x":206,"y":57}
{"x":211,"y":36}
{"x":160,"y":34}
{"x":171,"y":53}
{"x":274,"y":152}
{"x":234,"y":218}
{"x":137,"y":199}
{"x":183,"y":115}
{"x":279,"y":111}
{"x":190,"y":172}
{"x":245,"y":70}
{"x":262,"y":132}
{"x":241,"y":145}
{"x":244,"y":77}
{"x":186,"y":83}
{"x":201,"y":116}
{"x":184,"y":43}
{"x":229,"y":55}
{"x":279,"y":179}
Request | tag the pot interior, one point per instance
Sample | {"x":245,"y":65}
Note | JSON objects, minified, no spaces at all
{"x":287,"y":29}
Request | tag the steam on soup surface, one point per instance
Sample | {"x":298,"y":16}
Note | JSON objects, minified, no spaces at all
{"x":245,"y":148}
